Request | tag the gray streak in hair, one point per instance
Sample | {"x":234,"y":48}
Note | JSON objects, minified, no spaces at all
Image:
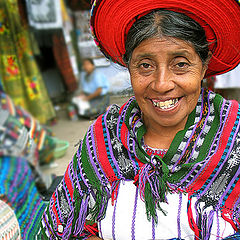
{"x":164,"y":23}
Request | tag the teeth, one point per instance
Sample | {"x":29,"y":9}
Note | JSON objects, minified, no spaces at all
{"x":167,"y":104}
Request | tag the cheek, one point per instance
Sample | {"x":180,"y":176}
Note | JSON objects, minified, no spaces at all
{"x":138,"y":83}
{"x":192,"y":84}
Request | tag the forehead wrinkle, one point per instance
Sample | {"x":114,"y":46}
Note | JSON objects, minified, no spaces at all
{"x":173,"y":53}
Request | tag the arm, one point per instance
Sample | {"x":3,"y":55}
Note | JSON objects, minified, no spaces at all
{"x":67,"y":212}
{"x":93,"y":95}
{"x":79,"y":201}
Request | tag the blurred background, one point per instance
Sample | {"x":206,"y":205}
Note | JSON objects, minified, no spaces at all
{"x":44,"y":45}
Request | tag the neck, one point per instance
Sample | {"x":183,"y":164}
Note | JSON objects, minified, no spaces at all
{"x":160,"y":138}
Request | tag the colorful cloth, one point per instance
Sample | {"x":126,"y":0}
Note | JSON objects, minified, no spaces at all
{"x":22,"y":135}
{"x":18,"y":190}
{"x":203,"y":162}
{"x":19,"y":72}
{"x":9,"y":228}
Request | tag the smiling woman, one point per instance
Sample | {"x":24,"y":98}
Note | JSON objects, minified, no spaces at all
{"x":166,"y":164}
{"x":166,"y":77}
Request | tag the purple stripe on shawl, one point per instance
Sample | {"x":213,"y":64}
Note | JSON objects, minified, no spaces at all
{"x":236,"y":206}
{"x":100,"y":229}
{"x":220,"y":129}
{"x":111,"y":151}
{"x":230,"y":184}
{"x":134,"y":147}
{"x":51,"y":203}
{"x":15,"y":181}
{"x":95,"y":155}
{"x":135,"y":166}
{"x":19,"y":181}
{"x":222,"y":164}
{"x":99,"y":217}
{"x":58,"y":206}
{"x":122,"y":117}
{"x":80,"y":171}
{"x":75,"y":175}
{"x":199,"y":135}
{"x":46,"y":224}
{"x":79,"y":225}
{"x":68,"y":226}
{"x":189,"y":139}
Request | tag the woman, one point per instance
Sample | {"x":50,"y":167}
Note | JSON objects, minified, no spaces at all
{"x":165,"y":165}
{"x":94,"y":98}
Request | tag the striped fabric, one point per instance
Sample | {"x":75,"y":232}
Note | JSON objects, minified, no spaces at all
{"x":22,"y":135}
{"x":18,"y":190}
{"x":9,"y":228}
{"x":203,"y":161}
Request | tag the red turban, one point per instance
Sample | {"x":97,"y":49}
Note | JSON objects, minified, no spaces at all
{"x":112,"y":19}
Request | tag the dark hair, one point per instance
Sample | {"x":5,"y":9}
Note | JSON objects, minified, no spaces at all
{"x":89,"y":60}
{"x":165,"y":23}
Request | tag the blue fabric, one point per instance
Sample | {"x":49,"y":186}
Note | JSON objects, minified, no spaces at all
{"x":94,"y":81}
{"x":235,"y":236}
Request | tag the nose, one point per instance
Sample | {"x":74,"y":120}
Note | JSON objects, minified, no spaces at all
{"x":163,"y":80}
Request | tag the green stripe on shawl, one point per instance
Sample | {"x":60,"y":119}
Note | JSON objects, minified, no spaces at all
{"x":204,"y":150}
{"x":178,"y":139}
{"x":101,"y":194}
{"x":87,"y":166}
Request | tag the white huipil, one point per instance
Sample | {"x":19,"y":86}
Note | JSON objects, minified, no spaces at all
{"x":167,"y":227}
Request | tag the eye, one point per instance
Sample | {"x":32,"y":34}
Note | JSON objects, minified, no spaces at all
{"x":145,"y":65}
{"x":182,"y":64}
{"x":145,"y":68}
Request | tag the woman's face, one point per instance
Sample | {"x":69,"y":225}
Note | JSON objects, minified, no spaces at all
{"x":166,"y":78}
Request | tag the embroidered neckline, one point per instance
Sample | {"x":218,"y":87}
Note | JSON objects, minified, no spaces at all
{"x":154,"y":151}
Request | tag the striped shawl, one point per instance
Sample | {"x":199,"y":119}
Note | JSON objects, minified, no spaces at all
{"x":203,"y":162}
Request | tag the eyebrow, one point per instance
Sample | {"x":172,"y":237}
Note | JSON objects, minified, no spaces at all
{"x":145,"y":55}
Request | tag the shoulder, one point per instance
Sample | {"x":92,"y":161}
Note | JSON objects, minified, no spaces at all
{"x":98,"y":74}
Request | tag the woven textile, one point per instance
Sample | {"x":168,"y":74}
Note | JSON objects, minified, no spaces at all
{"x":19,"y":73}
{"x":18,"y":190}
{"x":22,"y":135}
{"x":9,"y":228}
{"x":202,"y":161}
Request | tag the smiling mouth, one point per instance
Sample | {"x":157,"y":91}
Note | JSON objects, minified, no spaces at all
{"x":169,"y":104}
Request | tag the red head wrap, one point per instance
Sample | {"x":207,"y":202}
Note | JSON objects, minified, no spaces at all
{"x":112,"y":19}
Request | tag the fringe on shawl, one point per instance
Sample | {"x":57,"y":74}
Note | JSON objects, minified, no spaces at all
{"x":205,"y":217}
{"x":153,"y":186}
